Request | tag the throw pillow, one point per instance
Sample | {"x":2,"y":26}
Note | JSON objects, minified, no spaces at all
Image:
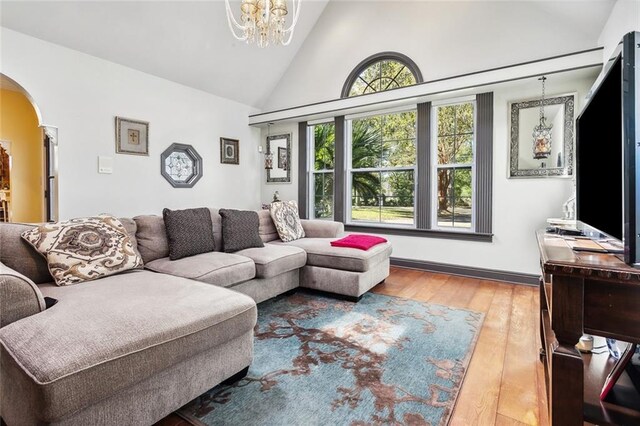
{"x":189,"y":232}
{"x":240,"y":230}
{"x":84,"y":249}
{"x":287,"y":220}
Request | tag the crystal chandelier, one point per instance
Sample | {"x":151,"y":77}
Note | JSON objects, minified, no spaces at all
{"x":263,"y":21}
{"x":542,"y":131}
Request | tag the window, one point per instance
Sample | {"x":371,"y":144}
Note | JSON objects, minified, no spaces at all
{"x":381,"y":72}
{"x":453,"y":168}
{"x":322,"y":138}
{"x":382,"y":165}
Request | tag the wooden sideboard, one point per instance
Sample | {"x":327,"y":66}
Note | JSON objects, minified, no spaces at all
{"x":583,"y":292}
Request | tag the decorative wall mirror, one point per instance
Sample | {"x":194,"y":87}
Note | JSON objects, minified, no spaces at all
{"x":527,"y":157}
{"x":279,"y":148}
{"x":181,"y":165}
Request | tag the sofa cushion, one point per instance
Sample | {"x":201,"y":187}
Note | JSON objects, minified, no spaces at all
{"x":189,"y":232}
{"x":272,"y":260}
{"x":151,"y":237}
{"x":321,"y":253}
{"x":267,"y":229}
{"x":84,"y":249}
{"x":20,"y":256}
{"x":106,"y":335}
{"x":287,"y":220}
{"x":239,"y":230}
{"x":223,"y":269}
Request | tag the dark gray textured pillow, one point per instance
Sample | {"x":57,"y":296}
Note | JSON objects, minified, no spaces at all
{"x":189,"y":232}
{"x":240,"y":230}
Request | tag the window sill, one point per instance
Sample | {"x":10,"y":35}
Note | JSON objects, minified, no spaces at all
{"x":425,"y":233}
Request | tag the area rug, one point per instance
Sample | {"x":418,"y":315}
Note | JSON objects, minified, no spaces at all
{"x":321,"y":361}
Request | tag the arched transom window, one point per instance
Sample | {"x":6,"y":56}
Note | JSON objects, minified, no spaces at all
{"x":380,"y":72}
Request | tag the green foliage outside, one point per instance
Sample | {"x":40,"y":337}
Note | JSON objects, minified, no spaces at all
{"x":389,"y":141}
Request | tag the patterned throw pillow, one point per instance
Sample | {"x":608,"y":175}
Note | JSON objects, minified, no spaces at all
{"x":240,"y":230}
{"x":189,"y":232}
{"x":287,"y":220}
{"x":84,"y":249}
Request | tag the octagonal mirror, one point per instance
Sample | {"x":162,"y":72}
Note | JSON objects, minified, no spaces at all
{"x":181,"y":165}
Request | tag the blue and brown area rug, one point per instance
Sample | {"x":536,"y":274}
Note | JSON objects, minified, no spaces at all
{"x":321,"y":361}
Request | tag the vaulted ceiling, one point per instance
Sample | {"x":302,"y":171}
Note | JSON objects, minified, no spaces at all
{"x":189,"y":42}
{"x":183,"y":41}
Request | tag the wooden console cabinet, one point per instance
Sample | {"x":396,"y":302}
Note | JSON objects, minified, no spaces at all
{"x":592,"y":293}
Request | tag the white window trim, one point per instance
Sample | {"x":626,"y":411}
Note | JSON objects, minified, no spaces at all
{"x":311,"y":172}
{"x":350,"y":170}
{"x":434,"y":166}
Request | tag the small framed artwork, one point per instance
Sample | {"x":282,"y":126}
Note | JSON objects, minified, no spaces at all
{"x":132,"y":136}
{"x":229,"y":151}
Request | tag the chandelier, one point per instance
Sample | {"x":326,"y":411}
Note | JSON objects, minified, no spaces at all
{"x":263,"y":21}
{"x":542,"y":132}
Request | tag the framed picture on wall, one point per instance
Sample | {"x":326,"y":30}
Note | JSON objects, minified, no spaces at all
{"x":132,"y":136}
{"x":229,"y":151}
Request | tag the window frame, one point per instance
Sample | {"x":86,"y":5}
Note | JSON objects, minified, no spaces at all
{"x":311,"y":157}
{"x":434,"y":166}
{"x":378,"y":57}
{"x":349,"y":170}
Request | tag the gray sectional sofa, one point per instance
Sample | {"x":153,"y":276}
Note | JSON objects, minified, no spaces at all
{"x":133,"y":347}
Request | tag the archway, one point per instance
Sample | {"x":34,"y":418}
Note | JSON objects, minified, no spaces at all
{"x":28,"y":158}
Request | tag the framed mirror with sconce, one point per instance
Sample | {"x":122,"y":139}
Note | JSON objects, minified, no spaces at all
{"x":542,"y":153}
{"x":278,"y":159}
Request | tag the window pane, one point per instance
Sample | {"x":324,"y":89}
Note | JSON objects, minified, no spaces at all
{"x":365,"y":196}
{"x":446,"y":149}
{"x":400,"y":153}
{"x":366,"y":143}
{"x":397,"y":197}
{"x":446,"y":120}
{"x":371,"y":76}
{"x":383,"y":197}
{"x":323,"y":195}
{"x":454,"y":197}
{"x":464,"y":149}
{"x":324,"y":146}
{"x":464,"y":118}
{"x":399,"y":126}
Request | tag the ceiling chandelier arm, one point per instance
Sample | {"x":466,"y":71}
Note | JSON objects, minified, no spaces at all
{"x":296,"y":13}
{"x":231,"y":19}
{"x":295,"y":5}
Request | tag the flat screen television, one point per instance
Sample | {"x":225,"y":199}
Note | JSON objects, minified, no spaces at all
{"x":608,"y":151}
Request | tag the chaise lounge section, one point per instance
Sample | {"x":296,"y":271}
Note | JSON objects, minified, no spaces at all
{"x":124,"y":349}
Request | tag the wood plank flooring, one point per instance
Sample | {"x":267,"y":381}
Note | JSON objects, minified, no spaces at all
{"x":504,"y":385}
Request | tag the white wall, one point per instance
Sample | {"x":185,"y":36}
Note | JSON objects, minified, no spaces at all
{"x":520,"y":206}
{"x":624,"y":18}
{"x":443,"y":38}
{"x":81,"y":95}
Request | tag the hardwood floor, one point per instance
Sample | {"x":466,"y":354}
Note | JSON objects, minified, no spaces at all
{"x":505,"y":382}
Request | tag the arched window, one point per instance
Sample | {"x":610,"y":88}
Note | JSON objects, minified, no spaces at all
{"x":380,"y":72}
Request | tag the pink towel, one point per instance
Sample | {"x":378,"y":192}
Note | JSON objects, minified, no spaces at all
{"x":358,"y":241}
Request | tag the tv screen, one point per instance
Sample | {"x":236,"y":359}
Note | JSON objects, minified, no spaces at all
{"x":599,"y":157}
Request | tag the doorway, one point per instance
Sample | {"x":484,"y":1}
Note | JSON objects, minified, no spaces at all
{"x":27,"y":159}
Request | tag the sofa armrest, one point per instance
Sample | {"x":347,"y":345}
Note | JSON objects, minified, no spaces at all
{"x":322,"y":228}
{"x":19,"y":296}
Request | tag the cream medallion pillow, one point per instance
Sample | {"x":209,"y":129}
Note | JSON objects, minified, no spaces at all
{"x":287,"y":220}
{"x":84,"y":249}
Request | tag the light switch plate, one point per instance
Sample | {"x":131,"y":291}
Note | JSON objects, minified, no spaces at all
{"x":105,"y":165}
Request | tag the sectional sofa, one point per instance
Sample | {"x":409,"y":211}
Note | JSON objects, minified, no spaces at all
{"x":131,"y":348}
